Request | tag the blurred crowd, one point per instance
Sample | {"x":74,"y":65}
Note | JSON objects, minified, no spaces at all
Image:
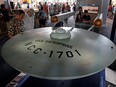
{"x":111,"y":11}
{"x":23,"y":18}
{"x":20,"y":19}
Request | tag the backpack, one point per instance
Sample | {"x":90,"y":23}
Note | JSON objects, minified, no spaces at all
{"x":41,"y":15}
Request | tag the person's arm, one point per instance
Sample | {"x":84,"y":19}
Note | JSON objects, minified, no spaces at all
{"x":11,"y":29}
{"x":10,"y":32}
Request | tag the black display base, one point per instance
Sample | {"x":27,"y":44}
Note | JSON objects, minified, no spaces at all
{"x":96,"y":80}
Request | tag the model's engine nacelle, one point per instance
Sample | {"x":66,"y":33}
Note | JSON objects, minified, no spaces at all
{"x":61,"y":17}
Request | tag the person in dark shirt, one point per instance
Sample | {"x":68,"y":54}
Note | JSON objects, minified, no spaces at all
{"x":79,"y":15}
{"x":42,"y":17}
{"x":74,"y":7}
{"x":86,"y":17}
{"x":5,"y":13}
{"x":79,"y":18}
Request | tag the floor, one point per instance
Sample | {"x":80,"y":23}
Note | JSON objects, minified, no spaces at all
{"x":7,"y":72}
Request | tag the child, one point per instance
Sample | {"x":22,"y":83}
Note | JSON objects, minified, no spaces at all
{"x":86,"y":17}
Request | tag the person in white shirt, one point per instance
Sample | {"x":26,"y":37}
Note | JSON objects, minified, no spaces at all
{"x":29,"y":19}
